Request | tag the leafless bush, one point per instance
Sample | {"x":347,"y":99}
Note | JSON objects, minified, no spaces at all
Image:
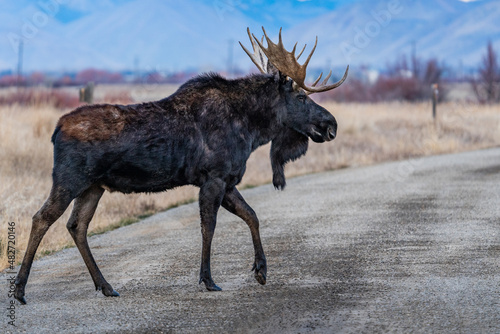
{"x":36,"y":97}
{"x":398,"y":83}
{"x":120,"y":97}
{"x":355,"y":91}
{"x":97,"y":76}
{"x":396,"y":88}
{"x":487,"y":85}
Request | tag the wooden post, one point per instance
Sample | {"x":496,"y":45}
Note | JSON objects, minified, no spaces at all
{"x":87,"y":93}
{"x":435,"y":94}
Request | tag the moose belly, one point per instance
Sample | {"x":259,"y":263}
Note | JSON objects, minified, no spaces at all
{"x":143,"y":177}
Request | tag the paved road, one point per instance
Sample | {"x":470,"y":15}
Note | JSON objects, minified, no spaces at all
{"x":410,"y":246}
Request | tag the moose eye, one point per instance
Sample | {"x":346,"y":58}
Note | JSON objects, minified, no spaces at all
{"x":301,"y":98}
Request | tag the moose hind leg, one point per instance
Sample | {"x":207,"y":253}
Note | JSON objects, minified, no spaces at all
{"x":234,"y":203}
{"x":83,"y":211}
{"x":51,"y":210}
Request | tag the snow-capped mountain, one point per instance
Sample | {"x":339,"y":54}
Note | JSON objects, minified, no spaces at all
{"x":374,"y":32}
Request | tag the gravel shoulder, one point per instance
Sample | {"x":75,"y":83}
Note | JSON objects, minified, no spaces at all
{"x":409,"y":246}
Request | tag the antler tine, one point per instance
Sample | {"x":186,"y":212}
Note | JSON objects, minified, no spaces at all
{"x":300,"y":54}
{"x":258,"y":56}
{"x":317,"y":80}
{"x":269,"y":42}
{"x":323,"y":88}
{"x":312,"y":51}
{"x":326,"y":79}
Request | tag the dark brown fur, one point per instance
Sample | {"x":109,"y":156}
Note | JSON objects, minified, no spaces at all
{"x":93,"y":123}
{"x":201,"y":135}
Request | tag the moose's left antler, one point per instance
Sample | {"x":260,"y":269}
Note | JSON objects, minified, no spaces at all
{"x":288,"y":64}
{"x":258,"y":57}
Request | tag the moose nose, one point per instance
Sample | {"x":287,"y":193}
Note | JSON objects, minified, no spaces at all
{"x":331,"y":132}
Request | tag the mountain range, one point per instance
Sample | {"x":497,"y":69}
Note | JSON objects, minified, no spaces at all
{"x":203,"y":35}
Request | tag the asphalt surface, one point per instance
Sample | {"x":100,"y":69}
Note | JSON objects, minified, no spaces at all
{"x":411,"y":246}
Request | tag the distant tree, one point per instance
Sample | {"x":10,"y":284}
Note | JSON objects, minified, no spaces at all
{"x":410,"y":83}
{"x":154,"y":78}
{"x":487,"y":85}
{"x":36,"y":78}
{"x":433,"y":75}
{"x":98,"y":76}
{"x":8,"y":80}
{"x":433,"y":72}
{"x":66,"y":80}
{"x":398,"y":68}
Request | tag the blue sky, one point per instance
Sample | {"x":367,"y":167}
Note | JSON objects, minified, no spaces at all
{"x":291,"y":11}
{"x":259,"y":10}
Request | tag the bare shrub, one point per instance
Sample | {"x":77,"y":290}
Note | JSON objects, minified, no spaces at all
{"x":356,"y":91}
{"x":95,"y":75}
{"x":396,"y":88}
{"x":397,"y":83}
{"x":39,"y":97}
{"x":487,"y":85}
{"x":120,"y":97}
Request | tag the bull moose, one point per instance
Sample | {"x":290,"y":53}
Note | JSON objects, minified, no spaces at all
{"x":201,"y":135}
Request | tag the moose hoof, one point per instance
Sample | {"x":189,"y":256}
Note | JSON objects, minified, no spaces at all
{"x":21,"y":299}
{"x":213,"y":287}
{"x":260,"y":271}
{"x":112,"y":294}
{"x":210,"y":285}
{"x":108,"y":291}
{"x":260,"y":277}
{"x":19,"y":295}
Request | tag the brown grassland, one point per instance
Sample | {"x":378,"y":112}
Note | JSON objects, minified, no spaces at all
{"x":368,"y":134}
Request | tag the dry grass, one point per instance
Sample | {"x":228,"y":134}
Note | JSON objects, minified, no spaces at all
{"x":367,"y":134}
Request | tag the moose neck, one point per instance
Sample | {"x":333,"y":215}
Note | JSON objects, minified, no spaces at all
{"x":260,"y":104}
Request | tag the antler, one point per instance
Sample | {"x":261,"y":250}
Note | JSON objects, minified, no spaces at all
{"x":288,"y":64}
{"x":258,"y":57}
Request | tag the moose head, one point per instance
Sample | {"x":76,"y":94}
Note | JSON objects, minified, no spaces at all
{"x":302,"y":117}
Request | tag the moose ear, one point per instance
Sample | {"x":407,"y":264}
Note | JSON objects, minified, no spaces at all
{"x":289,"y":145}
{"x":272,"y":70}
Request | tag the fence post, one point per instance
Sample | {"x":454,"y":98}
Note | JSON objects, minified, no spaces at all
{"x":435,"y":94}
{"x":87,"y":93}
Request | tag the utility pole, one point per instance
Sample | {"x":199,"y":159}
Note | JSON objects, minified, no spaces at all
{"x":460,"y":70}
{"x":230,"y":58}
{"x":137,"y":75}
{"x":20,"y":62}
{"x":414,"y":61}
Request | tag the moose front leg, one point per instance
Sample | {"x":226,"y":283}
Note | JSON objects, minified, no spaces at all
{"x":234,"y":203}
{"x":210,"y":198}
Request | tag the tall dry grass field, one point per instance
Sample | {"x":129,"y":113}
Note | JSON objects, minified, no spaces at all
{"x":367,"y":134}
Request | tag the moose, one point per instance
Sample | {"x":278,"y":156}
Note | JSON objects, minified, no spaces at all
{"x":201,"y":135}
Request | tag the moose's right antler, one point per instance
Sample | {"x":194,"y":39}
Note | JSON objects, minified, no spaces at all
{"x":288,"y":64}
